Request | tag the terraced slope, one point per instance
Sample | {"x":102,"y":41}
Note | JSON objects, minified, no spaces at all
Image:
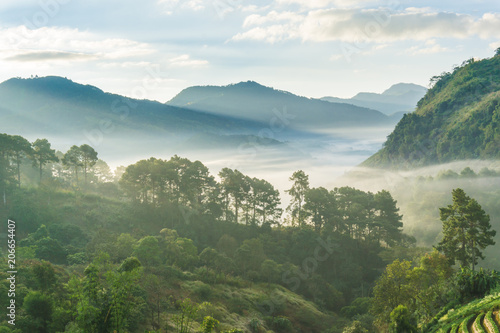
{"x":479,"y":316}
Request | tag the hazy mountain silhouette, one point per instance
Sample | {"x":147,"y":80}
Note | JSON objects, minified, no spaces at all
{"x":51,"y":105}
{"x":399,"y":98}
{"x":252,"y":101}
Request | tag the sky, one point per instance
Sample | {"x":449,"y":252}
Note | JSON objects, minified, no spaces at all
{"x":152,"y":49}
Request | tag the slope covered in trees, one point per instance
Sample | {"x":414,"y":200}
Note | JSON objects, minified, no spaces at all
{"x":164,"y":239}
{"x":457,"y":119}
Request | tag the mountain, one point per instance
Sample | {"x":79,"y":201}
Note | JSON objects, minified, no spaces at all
{"x":457,"y":119}
{"x":58,"y":105}
{"x":399,"y":98}
{"x":252,"y":101}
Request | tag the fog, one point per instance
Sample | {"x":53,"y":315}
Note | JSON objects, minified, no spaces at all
{"x":421,"y":192}
{"x":331,"y":160}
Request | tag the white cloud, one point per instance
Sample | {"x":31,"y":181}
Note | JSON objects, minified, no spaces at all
{"x":427,"y":49}
{"x":273,"y":16}
{"x":186,"y":61}
{"x":56,"y":42}
{"x":336,"y":57}
{"x":325,"y":3}
{"x":271,"y":34}
{"x":495,"y":45}
{"x":488,"y":26}
{"x":42,"y":56}
{"x":367,"y":25}
{"x":169,"y":6}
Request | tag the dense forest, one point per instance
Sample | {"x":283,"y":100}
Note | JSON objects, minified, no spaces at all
{"x":457,"y":119}
{"x":164,"y":246}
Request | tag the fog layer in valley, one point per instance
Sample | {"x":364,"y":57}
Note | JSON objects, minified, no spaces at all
{"x":421,"y":192}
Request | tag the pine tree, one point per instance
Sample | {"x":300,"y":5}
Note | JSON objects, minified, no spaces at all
{"x":466,"y":230}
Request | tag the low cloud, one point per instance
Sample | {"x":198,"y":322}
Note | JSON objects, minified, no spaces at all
{"x":367,"y":25}
{"x":65,"y":44}
{"x":430,"y":47}
{"x":325,"y":3}
{"x":186,"y":61}
{"x":48,"y":56}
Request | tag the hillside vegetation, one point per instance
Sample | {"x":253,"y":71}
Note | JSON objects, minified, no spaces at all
{"x":458,"y":118}
{"x":163,"y":239}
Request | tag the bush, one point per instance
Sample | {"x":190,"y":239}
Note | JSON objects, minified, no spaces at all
{"x":279,"y":324}
{"x":255,"y":325}
{"x":402,"y":321}
{"x":475,"y":284}
{"x":237,"y":305}
{"x":203,"y":291}
{"x":78,"y":258}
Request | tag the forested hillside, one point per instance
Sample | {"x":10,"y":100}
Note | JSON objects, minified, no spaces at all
{"x":161,"y":239}
{"x":457,"y":119}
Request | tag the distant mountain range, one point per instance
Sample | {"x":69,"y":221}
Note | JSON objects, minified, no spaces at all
{"x":457,"y":119}
{"x":238,"y":116}
{"x":252,"y":101}
{"x":58,"y":105}
{"x":400,"y":98}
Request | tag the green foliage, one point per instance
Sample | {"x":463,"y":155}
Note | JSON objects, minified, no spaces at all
{"x":298,"y":192}
{"x":255,"y":325}
{"x":209,"y":324}
{"x":490,"y":324}
{"x":475,"y":284}
{"x":402,"y":321}
{"x":355,"y":327}
{"x":40,"y":308}
{"x":359,"y":306}
{"x":457,"y":119}
{"x":132,"y":282}
{"x":51,"y":250}
{"x":184,"y":320}
{"x":43,"y":154}
{"x":477,"y":327}
{"x":45,"y":276}
{"x":465,"y":323}
{"x":466,"y":230}
{"x":279,"y":324}
{"x":148,"y":251}
{"x":423,"y":290}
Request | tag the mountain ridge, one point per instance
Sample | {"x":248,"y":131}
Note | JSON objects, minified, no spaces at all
{"x":253,"y":101}
{"x":400,"y":97}
{"x":458,"y":118}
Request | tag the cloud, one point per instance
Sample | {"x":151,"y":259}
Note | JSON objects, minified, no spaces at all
{"x":336,"y":57}
{"x":325,"y":3}
{"x":367,"y":25}
{"x":186,"y":61}
{"x":495,"y":45}
{"x":488,"y":26}
{"x":25,"y":44}
{"x":430,"y":47}
{"x":273,"y":16}
{"x":47,"y":56}
{"x":169,"y":6}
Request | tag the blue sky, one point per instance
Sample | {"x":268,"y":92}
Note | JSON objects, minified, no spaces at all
{"x":155,"y":48}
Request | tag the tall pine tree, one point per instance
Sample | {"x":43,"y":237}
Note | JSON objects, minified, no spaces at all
{"x":466,"y":230}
